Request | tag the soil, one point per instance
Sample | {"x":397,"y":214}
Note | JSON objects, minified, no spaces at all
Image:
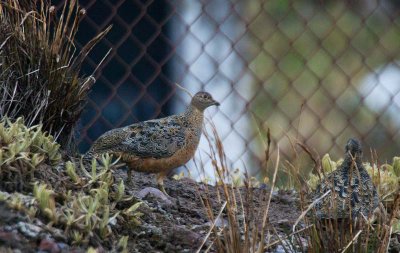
{"x":178,"y":223}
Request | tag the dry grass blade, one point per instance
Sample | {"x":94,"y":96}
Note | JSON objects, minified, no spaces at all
{"x":212,"y":227}
{"x":267,"y":145}
{"x":303,"y":214}
{"x":387,"y":230}
{"x":289,"y":235}
{"x":316,"y":161}
{"x":76,"y":64}
{"x":264,"y":222}
{"x":352,"y":241}
{"x":184,"y":89}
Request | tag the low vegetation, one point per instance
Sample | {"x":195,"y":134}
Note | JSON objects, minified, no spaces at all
{"x":87,"y":205}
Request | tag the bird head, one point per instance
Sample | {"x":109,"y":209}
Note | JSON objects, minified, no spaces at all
{"x":202,"y":100}
{"x":354,"y":147}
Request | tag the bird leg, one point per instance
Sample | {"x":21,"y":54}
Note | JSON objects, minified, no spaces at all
{"x":160,"y":182}
{"x":129,"y":176}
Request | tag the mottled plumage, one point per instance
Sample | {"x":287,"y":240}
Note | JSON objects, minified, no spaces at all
{"x":351,"y":188}
{"x":160,"y":145}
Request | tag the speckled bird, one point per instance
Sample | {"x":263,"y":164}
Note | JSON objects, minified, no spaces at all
{"x":351,"y":188}
{"x":159,"y":145}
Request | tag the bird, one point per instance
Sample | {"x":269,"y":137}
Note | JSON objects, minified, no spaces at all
{"x":352,"y":190}
{"x":158,"y":145}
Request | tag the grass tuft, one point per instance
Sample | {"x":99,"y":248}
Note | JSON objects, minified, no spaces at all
{"x":247,"y":227}
{"x":40,"y":65}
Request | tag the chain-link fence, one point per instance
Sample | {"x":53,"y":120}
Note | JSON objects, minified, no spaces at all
{"x":316,"y":71}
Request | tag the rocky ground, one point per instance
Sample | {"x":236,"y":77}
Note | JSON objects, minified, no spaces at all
{"x":180,"y":223}
{"x":175,"y":224}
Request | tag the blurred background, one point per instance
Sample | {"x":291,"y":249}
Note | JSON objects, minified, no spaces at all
{"x":316,"y":72}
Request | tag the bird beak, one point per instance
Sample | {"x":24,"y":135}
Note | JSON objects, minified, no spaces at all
{"x":216,"y":103}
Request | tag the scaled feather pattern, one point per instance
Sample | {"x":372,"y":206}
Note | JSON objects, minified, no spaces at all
{"x":352,"y":190}
{"x":158,"y":145}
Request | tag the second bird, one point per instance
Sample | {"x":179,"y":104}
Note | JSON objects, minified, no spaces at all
{"x":160,"y":145}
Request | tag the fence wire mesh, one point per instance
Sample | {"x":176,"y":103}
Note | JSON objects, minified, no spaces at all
{"x":316,"y":71}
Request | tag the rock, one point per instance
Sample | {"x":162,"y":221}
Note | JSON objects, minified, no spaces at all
{"x":49,"y":245}
{"x":10,"y":238}
{"x":29,"y":230}
{"x":186,"y":236}
{"x":153,"y":231}
{"x":219,"y":223}
{"x":143,"y":194}
{"x":6,"y":215}
{"x":394,"y":245}
{"x":63,"y":247}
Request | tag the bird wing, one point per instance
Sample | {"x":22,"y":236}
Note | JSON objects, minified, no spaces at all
{"x":109,"y":140}
{"x":154,"y":138}
{"x":331,"y":204}
{"x":359,"y":192}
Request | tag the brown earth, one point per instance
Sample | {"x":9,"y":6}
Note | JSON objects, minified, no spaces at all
{"x":175,"y":224}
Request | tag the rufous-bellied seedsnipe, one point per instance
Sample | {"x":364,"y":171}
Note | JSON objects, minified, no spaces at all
{"x":159,"y":145}
{"x":352,"y":191}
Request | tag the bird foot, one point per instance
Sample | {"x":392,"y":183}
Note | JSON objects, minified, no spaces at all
{"x":162,"y":189}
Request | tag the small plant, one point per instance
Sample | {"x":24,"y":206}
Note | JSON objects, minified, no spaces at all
{"x":45,"y":198}
{"x":93,"y":209}
{"x":123,"y":244}
{"x":71,"y":171}
{"x":22,"y":151}
{"x":91,"y":213}
{"x":396,"y":166}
